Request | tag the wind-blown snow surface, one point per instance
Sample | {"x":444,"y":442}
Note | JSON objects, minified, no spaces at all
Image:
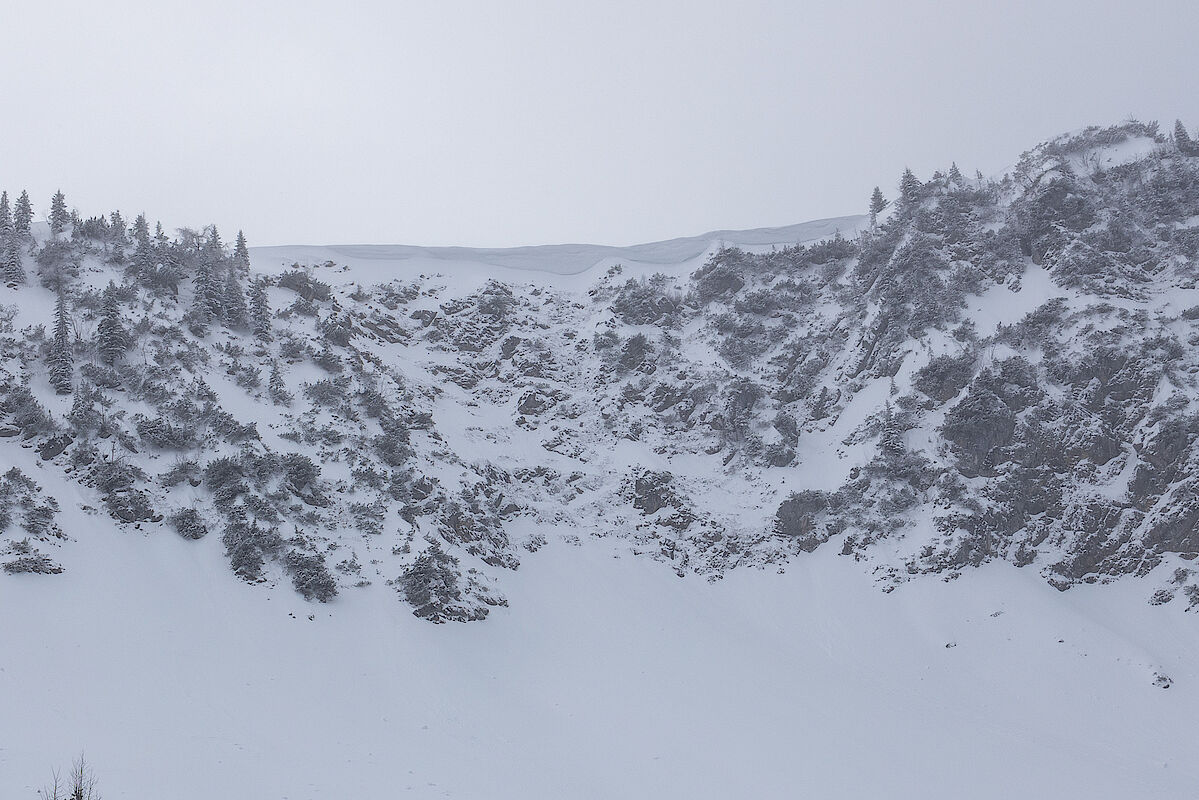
{"x":388,"y":262}
{"x":609,"y":677}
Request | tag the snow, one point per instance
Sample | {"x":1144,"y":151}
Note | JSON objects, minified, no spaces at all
{"x":556,"y":264}
{"x":607,"y":677}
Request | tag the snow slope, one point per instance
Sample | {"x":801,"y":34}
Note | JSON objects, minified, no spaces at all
{"x":372,"y":263}
{"x":669,"y":631}
{"x":608,"y":678}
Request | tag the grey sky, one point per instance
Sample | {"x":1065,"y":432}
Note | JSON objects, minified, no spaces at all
{"x":504,"y":123}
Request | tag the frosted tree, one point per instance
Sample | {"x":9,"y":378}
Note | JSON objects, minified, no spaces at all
{"x":60,"y":361}
{"x":145,"y":258}
{"x":116,"y":229}
{"x":6,"y":228}
{"x":277,"y":388}
{"x":241,"y":254}
{"x":1183,"y":141}
{"x":891,"y":438}
{"x":910,"y":190}
{"x":22,"y":214}
{"x":878,"y":204}
{"x":235,"y":311}
{"x":59,"y":216}
{"x":260,"y":311}
{"x":214,"y":245}
{"x":11,"y":271}
{"x":141,"y":229}
{"x":955,"y":176}
{"x":204,"y":289}
{"x":112,"y":340}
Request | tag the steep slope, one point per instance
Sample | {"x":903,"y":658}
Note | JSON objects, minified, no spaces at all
{"x":754,"y":513}
{"x":997,"y":370}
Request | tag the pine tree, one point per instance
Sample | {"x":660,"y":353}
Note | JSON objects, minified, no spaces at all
{"x":144,"y":257}
{"x":215,"y":246}
{"x":112,"y":338}
{"x":241,"y":254}
{"x":891,"y":441}
{"x":141,"y":229}
{"x":234,"y":302}
{"x":11,"y":271}
{"x":202,"y":289}
{"x":277,"y":389}
{"x":909,"y":191}
{"x":117,"y":254}
{"x":1183,"y":141}
{"x":60,"y":361}
{"x":59,"y":216}
{"x":878,"y":204}
{"x":116,"y":229}
{"x":955,"y":176}
{"x":260,"y":311}
{"x":23,"y":214}
{"x":6,"y":227}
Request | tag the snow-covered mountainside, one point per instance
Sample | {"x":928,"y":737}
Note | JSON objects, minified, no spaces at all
{"x":991,"y":381}
{"x":997,"y":370}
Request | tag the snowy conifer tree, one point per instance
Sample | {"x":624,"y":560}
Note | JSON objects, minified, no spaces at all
{"x":60,"y":361}
{"x":141,"y":229}
{"x":59,"y":216}
{"x":112,"y":340}
{"x":955,"y":176}
{"x":22,"y":214}
{"x":276,"y":387}
{"x":6,"y":227}
{"x":878,"y":204}
{"x":116,"y":229}
{"x":1183,"y":141}
{"x":909,"y":191}
{"x":203,"y":286}
{"x":891,"y":438}
{"x":11,"y":271}
{"x":144,"y":259}
{"x":241,"y":254}
{"x":234,"y":302}
{"x":260,"y":311}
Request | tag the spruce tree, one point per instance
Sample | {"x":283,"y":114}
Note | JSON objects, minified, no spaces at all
{"x":202,"y":289}
{"x":59,"y":216}
{"x":234,"y":302}
{"x":144,"y":258}
{"x":1183,"y":141}
{"x":891,"y":438}
{"x":241,"y":254}
{"x":277,"y":388}
{"x":909,"y":191}
{"x":878,"y":204}
{"x":11,"y":271}
{"x":141,"y":229}
{"x":112,"y":340}
{"x":6,"y":227}
{"x":116,"y":229}
{"x":60,"y":361}
{"x":955,"y":175}
{"x":22,"y":214}
{"x":260,"y":311}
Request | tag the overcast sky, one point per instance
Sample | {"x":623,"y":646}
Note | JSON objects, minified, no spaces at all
{"x":504,"y":123}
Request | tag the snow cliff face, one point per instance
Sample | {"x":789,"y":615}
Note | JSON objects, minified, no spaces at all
{"x":994,"y":371}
